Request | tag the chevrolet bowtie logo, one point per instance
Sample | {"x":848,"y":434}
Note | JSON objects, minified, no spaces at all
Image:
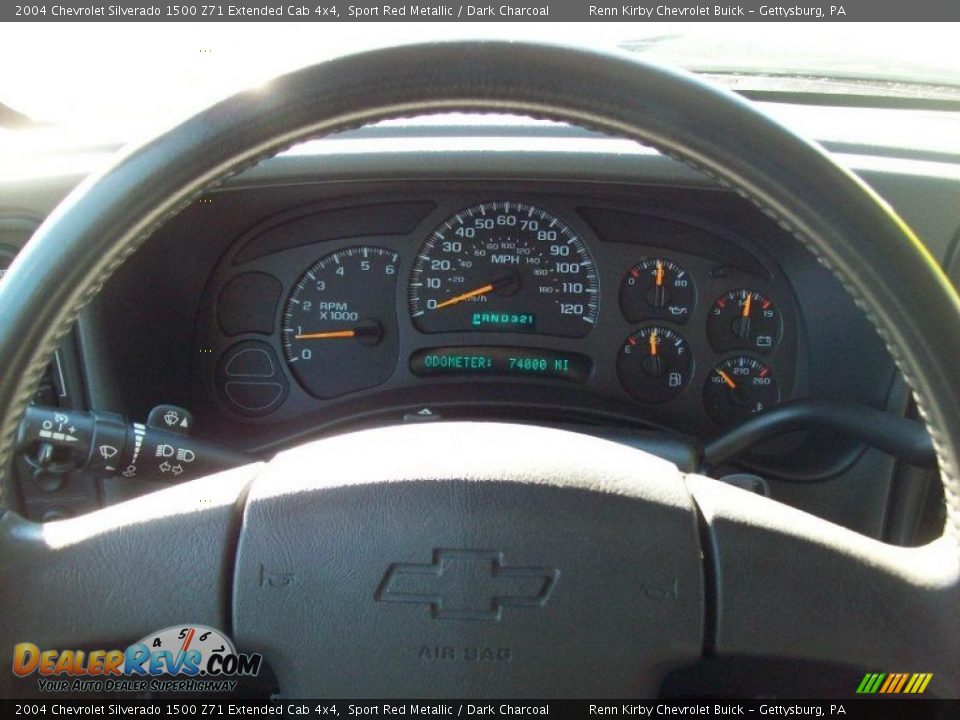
{"x":467,"y":584}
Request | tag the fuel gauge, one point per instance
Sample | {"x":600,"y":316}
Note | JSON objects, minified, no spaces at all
{"x":655,"y":364}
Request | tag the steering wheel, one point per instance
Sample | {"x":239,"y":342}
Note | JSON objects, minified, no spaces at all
{"x":485,"y":559}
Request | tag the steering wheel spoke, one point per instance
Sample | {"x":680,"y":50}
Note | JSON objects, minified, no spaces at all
{"x":789,"y":585}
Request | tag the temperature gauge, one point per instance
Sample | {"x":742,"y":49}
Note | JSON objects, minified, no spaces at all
{"x":738,"y":388}
{"x":657,"y":288}
{"x":655,"y":364}
{"x":744,"y":320}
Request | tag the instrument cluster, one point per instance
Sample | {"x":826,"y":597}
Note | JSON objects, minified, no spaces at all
{"x":665,"y":318}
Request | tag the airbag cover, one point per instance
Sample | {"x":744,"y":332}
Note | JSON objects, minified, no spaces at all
{"x":469,"y":560}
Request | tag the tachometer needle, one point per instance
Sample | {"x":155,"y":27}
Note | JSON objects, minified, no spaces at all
{"x":489,"y":287}
{"x":727,"y":379}
{"x":746,"y":305}
{"x":332,"y":335}
{"x":367,"y":332}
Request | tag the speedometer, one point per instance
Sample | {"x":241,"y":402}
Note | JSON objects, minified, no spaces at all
{"x":504,"y":266}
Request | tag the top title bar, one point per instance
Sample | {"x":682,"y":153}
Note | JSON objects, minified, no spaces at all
{"x":329,"y":11}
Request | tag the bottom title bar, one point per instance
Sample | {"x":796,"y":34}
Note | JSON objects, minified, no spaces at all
{"x":848,"y":709}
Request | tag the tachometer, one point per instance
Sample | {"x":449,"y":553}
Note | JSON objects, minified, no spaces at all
{"x":504,"y":266}
{"x":339,"y":324}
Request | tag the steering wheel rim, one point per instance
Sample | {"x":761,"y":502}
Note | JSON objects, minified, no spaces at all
{"x":850,"y":229}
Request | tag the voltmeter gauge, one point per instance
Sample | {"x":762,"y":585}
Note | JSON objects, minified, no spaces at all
{"x":738,"y":388}
{"x":655,"y":364}
{"x":657,"y":288}
{"x":744,"y":320}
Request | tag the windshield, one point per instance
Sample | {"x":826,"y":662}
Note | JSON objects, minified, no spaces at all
{"x":122,"y":79}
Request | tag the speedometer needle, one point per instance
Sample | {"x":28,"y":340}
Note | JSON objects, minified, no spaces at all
{"x":466,"y":296}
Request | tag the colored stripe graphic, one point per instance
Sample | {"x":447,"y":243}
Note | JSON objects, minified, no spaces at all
{"x":870,"y":683}
{"x":903,"y":680}
{"x":891,"y":680}
{"x":894,"y":683}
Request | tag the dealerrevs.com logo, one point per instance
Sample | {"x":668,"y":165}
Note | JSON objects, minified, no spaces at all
{"x":183,"y":658}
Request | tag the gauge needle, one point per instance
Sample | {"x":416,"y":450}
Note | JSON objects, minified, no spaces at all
{"x":659,"y":273}
{"x":746,"y":305}
{"x":334,"y":334}
{"x":653,"y":344}
{"x":466,"y":296}
{"x":727,"y":379}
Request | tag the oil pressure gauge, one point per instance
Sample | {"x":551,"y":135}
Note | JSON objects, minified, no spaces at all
{"x":657,"y":288}
{"x":744,"y":320}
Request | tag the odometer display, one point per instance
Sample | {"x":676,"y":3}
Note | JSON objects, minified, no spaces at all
{"x":504,"y":267}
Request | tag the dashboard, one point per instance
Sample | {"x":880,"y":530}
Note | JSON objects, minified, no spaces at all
{"x":312,"y":308}
{"x":514,"y":272}
{"x":682,"y":323}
